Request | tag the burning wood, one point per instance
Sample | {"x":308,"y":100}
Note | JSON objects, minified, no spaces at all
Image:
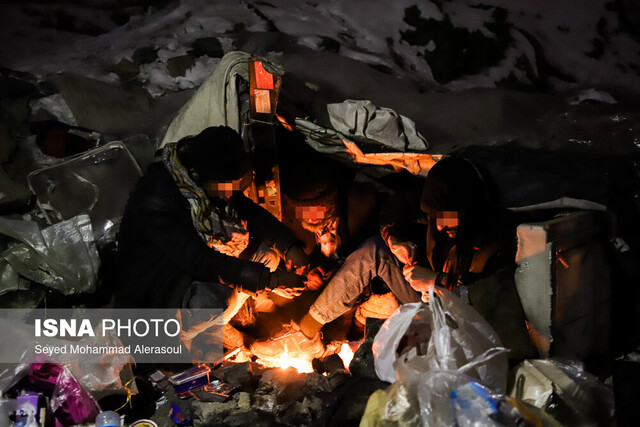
{"x":343,"y":349}
{"x":301,"y":365}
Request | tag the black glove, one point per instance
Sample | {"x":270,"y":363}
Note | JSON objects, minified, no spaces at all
{"x":296,"y":254}
{"x":286,"y":279}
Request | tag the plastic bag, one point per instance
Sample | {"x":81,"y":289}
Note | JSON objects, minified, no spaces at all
{"x":453,"y":345}
{"x":69,"y":402}
{"x":62,"y":256}
{"x":13,"y":406}
{"x":564,"y":390}
{"x":109,"y":375}
{"x":458,"y":335}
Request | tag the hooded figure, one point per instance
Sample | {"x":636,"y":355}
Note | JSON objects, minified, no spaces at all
{"x":465,"y":228}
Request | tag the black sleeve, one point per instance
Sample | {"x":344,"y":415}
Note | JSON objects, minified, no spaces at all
{"x":166,"y":221}
{"x":265,"y":226}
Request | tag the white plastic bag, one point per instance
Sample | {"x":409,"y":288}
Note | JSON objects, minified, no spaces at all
{"x":454,"y":346}
{"x":456,"y":335}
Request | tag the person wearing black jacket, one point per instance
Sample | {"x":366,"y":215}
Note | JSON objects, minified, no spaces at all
{"x":187,"y":223}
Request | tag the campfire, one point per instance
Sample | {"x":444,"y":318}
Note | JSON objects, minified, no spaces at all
{"x":301,"y":365}
{"x":345,"y":350}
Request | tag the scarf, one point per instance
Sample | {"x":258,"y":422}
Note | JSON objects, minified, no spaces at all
{"x":218,"y":226}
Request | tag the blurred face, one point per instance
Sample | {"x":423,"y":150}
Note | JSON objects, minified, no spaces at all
{"x":447,"y":222}
{"x":223,"y":189}
{"x":404,"y":251}
{"x":312,"y":215}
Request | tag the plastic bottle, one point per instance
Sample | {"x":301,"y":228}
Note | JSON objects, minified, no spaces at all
{"x":108,"y":419}
{"x":473,"y":405}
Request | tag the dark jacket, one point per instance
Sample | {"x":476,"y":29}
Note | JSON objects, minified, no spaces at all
{"x":160,"y":252}
{"x":482,"y":273}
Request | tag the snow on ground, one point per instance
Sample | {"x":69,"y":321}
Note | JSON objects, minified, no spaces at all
{"x":581,"y":42}
{"x":437,"y":62}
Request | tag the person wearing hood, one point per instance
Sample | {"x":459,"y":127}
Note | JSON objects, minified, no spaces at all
{"x":191,"y":238}
{"x":466,"y":243}
{"x":468,"y":237}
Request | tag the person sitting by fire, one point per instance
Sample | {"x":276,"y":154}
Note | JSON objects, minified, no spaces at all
{"x":328,"y":210}
{"x":467,"y":242}
{"x":190,"y":238}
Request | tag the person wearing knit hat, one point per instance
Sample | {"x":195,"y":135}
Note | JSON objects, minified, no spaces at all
{"x":188,"y":228}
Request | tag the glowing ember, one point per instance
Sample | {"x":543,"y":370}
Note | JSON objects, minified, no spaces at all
{"x":346,"y":354}
{"x":301,"y":365}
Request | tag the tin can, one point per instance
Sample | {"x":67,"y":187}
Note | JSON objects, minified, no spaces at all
{"x":195,"y":377}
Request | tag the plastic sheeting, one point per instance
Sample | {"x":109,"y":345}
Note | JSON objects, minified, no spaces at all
{"x":362,"y":119}
{"x":329,"y":141}
{"x":70,"y":403}
{"x":216,"y":101}
{"x":62,"y":256}
{"x":96,"y":183}
{"x":96,"y":377}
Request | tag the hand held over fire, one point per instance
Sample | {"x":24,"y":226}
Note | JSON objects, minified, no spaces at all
{"x":316,"y":278}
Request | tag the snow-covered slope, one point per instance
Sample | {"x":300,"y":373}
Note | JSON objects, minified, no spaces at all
{"x":542,"y":45}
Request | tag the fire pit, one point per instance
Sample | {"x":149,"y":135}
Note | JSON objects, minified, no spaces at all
{"x":345,"y":350}
{"x":246,"y":390}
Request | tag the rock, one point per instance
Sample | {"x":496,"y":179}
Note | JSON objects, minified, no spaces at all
{"x":126,"y":70}
{"x":280,"y":377}
{"x":362,"y":364}
{"x":288,"y":385}
{"x":242,"y":419}
{"x":210,"y":413}
{"x":238,"y":374}
{"x":236,"y":412}
{"x":209,"y":46}
{"x":318,"y":365}
{"x":178,"y":65}
{"x":264,"y":402}
{"x":316,"y":383}
{"x":244,"y":400}
{"x":106,"y":107}
{"x":352,"y":402}
{"x":145,"y":55}
{"x":297,"y":414}
{"x":333,"y":364}
{"x":338,"y":379}
{"x":302,"y":413}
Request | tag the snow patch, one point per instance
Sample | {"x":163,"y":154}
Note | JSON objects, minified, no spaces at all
{"x":56,"y":106}
{"x":592,"y":95}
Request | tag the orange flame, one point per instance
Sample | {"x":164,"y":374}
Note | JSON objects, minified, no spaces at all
{"x":301,"y":365}
{"x":346,"y":354}
{"x":284,"y":123}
